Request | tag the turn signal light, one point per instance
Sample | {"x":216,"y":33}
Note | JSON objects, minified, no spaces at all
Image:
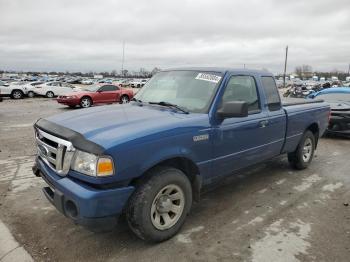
{"x":105,"y":167}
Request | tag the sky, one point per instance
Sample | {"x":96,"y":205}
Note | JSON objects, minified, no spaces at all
{"x":84,"y":35}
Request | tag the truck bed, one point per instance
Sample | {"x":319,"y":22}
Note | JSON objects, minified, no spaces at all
{"x":299,"y":101}
{"x":300,"y":114}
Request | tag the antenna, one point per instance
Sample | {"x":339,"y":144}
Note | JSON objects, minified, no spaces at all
{"x":123,"y":58}
{"x":285,"y":68}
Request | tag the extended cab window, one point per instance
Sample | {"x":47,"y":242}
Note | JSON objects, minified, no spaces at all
{"x":271,"y":92}
{"x":242,"y":88}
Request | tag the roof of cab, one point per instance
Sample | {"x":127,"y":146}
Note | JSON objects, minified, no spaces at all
{"x":222,"y":70}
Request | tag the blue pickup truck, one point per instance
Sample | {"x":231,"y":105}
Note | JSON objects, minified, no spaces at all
{"x":184,"y":130}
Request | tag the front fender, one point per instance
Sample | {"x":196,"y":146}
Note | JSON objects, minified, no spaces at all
{"x":163,"y":155}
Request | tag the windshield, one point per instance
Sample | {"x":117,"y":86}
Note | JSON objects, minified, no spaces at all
{"x":335,"y":97}
{"x":92,"y":88}
{"x":191,"y":90}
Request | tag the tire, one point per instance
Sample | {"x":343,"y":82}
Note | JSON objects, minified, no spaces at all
{"x":31,"y":94}
{"x":17,"y":94}
{"x":50,"y":94}
{"x":155,"y":221}
{"x":302,"y":156}
{"x":124,"y":99}
{"x":85,"y":102}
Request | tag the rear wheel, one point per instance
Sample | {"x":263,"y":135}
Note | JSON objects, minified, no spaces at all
{"x":159,"y":206}
{"x":124,"y":99}
{"x":50,"y":94}
{"x":17,"y":94}
{"x":85,"y":102}
{"x":302,"y":156}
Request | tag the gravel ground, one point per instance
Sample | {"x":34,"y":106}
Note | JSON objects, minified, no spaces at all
{"x":270,"y":213}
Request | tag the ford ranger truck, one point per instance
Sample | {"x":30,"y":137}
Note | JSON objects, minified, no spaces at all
{"x":184,"y":130}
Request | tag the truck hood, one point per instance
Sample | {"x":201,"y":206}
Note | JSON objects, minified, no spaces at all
{"x":111,"y":125}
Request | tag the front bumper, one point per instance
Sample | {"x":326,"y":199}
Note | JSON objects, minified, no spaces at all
{"x":96,"y":209}
{"x":68,"y":101}
{"x":339,"y":124}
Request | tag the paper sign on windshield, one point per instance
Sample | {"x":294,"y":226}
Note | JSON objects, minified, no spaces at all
{"x":208,"y":77}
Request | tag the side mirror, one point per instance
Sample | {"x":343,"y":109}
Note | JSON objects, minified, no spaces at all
{"x":233,"y":109}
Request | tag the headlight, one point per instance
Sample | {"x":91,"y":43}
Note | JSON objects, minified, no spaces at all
{"x":92,"y":165}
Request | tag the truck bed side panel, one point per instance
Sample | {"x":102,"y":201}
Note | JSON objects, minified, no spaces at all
{"x":300,"y":117}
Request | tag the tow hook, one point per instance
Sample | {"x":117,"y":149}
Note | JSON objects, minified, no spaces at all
{"x":36,"y":171}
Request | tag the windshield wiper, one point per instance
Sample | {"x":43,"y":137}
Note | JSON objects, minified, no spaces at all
{"x":167,"y":104}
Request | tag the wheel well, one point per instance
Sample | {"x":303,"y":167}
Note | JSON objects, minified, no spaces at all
{"x":17,"y":90}
{"x":315,"y":130}
{"x":188,"y":167}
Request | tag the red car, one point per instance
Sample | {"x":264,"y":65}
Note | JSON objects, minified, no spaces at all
{"x":97,"y":95}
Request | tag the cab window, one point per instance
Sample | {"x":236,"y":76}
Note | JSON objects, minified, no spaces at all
{"x":243,"y":88}
{"x":271,"y":92}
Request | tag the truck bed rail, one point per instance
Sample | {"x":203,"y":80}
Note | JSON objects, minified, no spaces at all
{"x":299,"y":101}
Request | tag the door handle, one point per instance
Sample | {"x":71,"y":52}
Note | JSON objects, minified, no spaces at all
{"x":263,"y":123}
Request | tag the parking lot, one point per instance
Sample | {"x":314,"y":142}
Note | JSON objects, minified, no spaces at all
{"x":267,"y":213}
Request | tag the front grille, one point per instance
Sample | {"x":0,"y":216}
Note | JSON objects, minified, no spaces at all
{"x":57,"y":153}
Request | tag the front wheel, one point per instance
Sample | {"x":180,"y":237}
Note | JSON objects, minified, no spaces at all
{"x":85,"y":102}
{"x":31,"y":94}
{"x":302,"y":156}
{"x":159,"y":206}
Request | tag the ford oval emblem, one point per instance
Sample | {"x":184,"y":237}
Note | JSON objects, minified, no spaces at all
{"x":44,"y":151}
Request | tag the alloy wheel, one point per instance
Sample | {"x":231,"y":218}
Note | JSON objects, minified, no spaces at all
{"x":85,"y":102}
{"x":17,"y":95}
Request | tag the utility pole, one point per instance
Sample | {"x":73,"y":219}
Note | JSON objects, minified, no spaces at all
{"x":123,"y":58}
{"x":285,"y":68}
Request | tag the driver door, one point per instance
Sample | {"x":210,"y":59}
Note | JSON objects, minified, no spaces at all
{"x":106,"y":94}
{"x":241,"y":141}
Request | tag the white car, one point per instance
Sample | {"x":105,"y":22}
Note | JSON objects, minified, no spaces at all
{"x":15,"y":90}
{"x":30,"y":88}
{"x":87,"y":82}
{"x":138,"y":82}
{"x":52,"y":89}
